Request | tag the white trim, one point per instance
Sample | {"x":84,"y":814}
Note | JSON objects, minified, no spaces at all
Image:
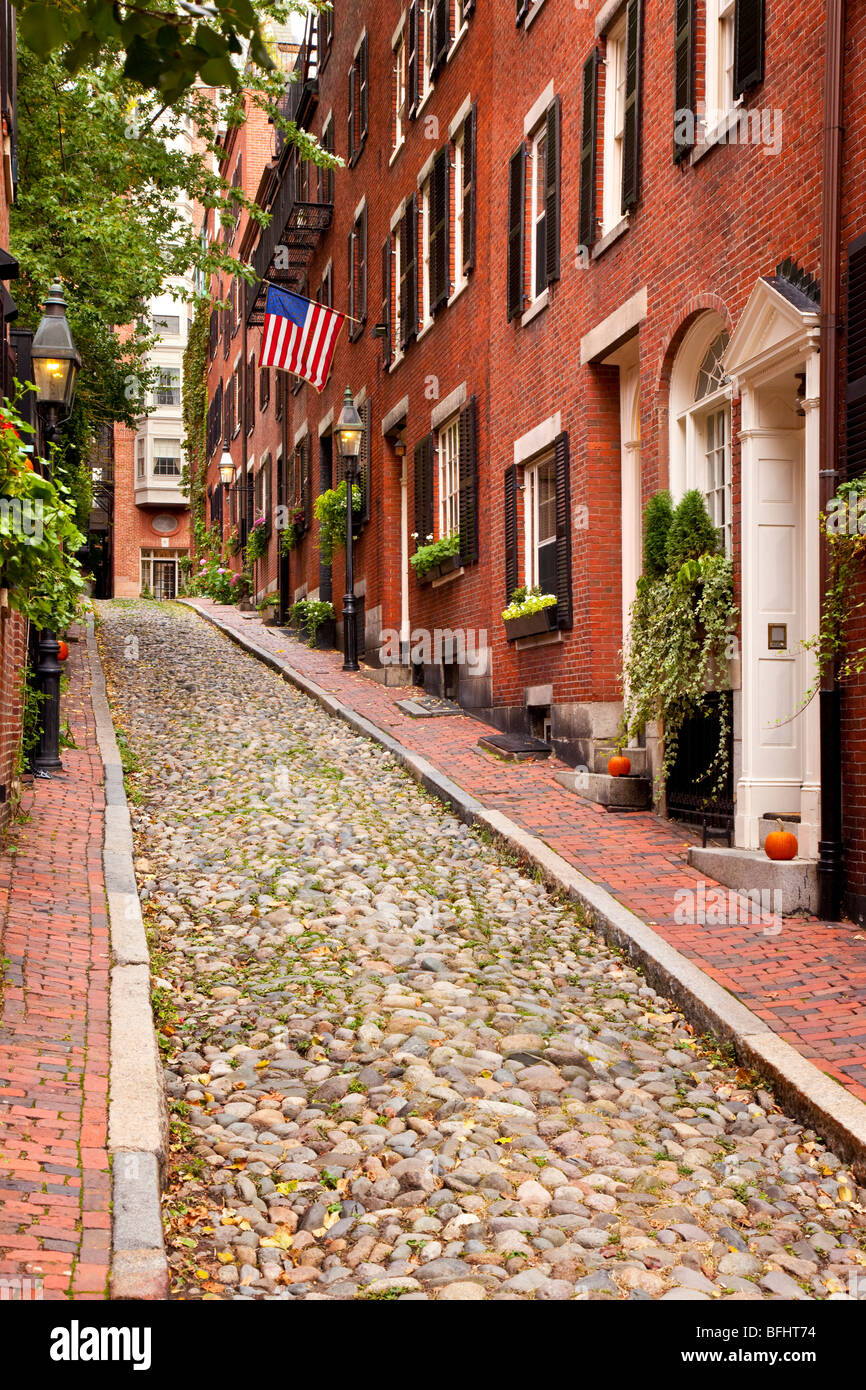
{"x":325,"y":423}
{"x":396,"y":150}
{"x":395,"y":416}
{"x":608,"y":15}
{"x":300,"y":433}
{"x":538,"y":439}
{"x":398,"y":32}
{"x":608,"y":334}
{"x":460,"y":289}
{"x":533,"y":13}
{"x":457,"y":40}
{"x":360,"y":208}
{"x":451,"y":404}
{"x":359,"y":44}
{"x":397,"y":217}
{"x":535,"y":307}
{"x":537,"y":110}
{"x":457,"y":120}
{"x":360,"y":398}
{"x":618,"y":230}
{"x":426,"y":169}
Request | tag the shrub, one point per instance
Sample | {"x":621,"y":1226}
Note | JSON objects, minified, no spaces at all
{"x":692,"y":533}
{"x":657,"y":517}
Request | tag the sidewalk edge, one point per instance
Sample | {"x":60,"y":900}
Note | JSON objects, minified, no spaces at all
{"x":137,"y":1113}
{"x":809,"y":1094}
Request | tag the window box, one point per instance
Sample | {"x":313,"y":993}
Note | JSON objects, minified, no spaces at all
{"x":446,"y":566}
{"x":530,"y":624}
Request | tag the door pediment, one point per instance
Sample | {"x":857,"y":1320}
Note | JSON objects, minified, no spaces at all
{"x":773,"y":326}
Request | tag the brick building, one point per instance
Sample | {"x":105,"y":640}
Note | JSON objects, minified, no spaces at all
{"x":585,"y":246}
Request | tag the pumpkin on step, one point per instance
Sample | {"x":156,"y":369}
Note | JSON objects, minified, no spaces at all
{"x":618,"y":765}
{"x":780,"y":844}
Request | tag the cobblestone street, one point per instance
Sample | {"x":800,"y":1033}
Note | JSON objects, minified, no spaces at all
{"x":397,"y":1066}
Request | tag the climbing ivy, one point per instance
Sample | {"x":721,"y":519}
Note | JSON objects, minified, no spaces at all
{"x":194,"y":390}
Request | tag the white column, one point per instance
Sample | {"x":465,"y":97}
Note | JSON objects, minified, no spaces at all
{"x":404,"y":552}
{"x":810,"y":792}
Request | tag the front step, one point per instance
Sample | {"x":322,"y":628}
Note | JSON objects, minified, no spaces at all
{"x":614,"y":793}
{"x":750,"y":871}
{"x":515,"y":748}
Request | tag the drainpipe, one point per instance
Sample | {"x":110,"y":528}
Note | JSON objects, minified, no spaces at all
{"x":830,"y":850}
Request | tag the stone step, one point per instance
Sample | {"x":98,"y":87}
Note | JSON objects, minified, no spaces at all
{"x":750,"y":871}
{"x":616,"y":793}
{"x":638,"y":757}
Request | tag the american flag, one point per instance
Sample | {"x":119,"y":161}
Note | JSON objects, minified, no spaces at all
{"x":299,"y":336}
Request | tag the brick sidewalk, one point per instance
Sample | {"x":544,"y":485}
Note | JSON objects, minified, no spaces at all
{"x":55,"y":1221}
{"x":808,"y":983}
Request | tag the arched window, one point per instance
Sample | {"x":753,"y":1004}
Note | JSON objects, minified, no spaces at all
{"x":701,"y":422}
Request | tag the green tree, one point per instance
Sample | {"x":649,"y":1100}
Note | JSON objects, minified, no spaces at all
{"x":657,"y":517}
{"x":692,"y":533}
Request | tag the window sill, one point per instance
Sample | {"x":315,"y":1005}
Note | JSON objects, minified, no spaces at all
{"x":617,"y":230}
{"x":536,"y":9}
{"x":447,"y":578}
{"x":541,"y":639}
{"x":424,"y":100}
{"x":457,"y":40}
{"x":535,"y":308}
{"x":717,"y":136}
{"x":456,"y":293}
{"x":424,"y":330}
{"x":396,"y":150}
{"x":395,"y":361}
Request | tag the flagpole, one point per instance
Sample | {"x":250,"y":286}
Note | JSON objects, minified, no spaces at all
{"x":348,"y":317}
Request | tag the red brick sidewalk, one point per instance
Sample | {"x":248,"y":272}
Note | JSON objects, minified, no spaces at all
{"x":808,"y":983}
{"x":55,"y":1221}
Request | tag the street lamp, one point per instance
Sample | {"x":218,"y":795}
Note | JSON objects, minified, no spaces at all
{"x":56,"y":361}
{"x":349,"y":432}
{"x":226,"y":466}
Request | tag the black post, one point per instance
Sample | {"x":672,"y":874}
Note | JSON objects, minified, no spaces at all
{"x":350,"y":634}
{"x":48,"y":669}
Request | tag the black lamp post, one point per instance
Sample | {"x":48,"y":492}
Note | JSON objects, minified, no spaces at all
{"x":349,"y":432}
{"x":55,"y":361}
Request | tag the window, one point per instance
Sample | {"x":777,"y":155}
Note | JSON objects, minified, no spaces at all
{"x":426,"y":42}
{"x":718,"y":480}
{"x":168,"y":390}
{"x":426,"y":314}
{"x":140,"y":447}
{"x":236,"y":400}
{"x":700,"y":402}
{"x":326,"y":176}
{"x":325,"y":36}
{"x":263,"y":490}
{"x":449,"y":477}
{"x":540,"y":525}
{"x":251,"y":393}
{"x":159,"y":572}
{"x":399,"y":91}
{"x":533,"y":220}
{"x":166,"y":458}
{"x":264,"y":388}
{"x":537,"y":238}
{"x":358,"y":101}
{"x":719,"y":70}
{"x":166,"y":323}
{"x":326,"y":289}
{"x":358,"y":273}
{"x":459,"y":209}
{"x":614,"y":126}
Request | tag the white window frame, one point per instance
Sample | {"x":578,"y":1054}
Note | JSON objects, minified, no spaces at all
{"x":146,"y":558}
{"x":459,"y":209}
{"x":397,"y":322}
{"x":531,"y":525}
{"x":537,"y":205}
{"x":167,"y":369}
{"x":425,"y":31}
{"x":693,"y":420}
{"x":614,"y":126}
{"x":162,"y":440}
{"x":718,"y":65}
{"x":140,"y":458}
{"x":260,"y":502}
{"x":448,"y":445}
{"x":426,"y":310}
{"x":400,"y":91}
{"x":718,"y":483}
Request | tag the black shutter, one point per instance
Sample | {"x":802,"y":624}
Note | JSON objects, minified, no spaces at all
{"x":412,"y":60}
{"x":470,"y":143}
{"x":468,"y":8}
{"x":516,"y":198}
{"x":522,"y":9}
{"x":563,"y":531}
{"x":361,"y":237}
{"x":351,"y":111}
{"x":588,"y":151}
{"x":386,"y":301}
{"x":424,"y":489}
{"x":366,"y":474}
{"x":855,"y":354}
{"x":441,"y":35}
{"x":468,"y":483}
{"x":351,"y":254}
{"x":684,"y":79}
{"x":251,"y":393}
{"x":552,"y":195}
{"x":748,"y":45}
{"x":306,"y":481}
{"x":408,"y":273}
{"x":510,"y":532}
{"x":440,"y":199}
{"x":632,"y":115}
{"x":363,"y":91}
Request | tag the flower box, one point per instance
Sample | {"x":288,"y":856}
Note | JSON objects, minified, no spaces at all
{"x":530,"y":624}
{"x":446,"y":566}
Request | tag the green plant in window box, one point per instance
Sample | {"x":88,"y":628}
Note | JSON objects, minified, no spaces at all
{"x":308,"y":615}
{"x":525,"y":601}
{"x":434,"y":554}
{"x":292,"y":532}
{"x":330,"y":512}
{"x":257,"y":540}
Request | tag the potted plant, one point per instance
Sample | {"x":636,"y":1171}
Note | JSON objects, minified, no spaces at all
{"x":267,"y":609}
{"x":292,"y":531}
{"x":315,"y":621}
{"x":257,"y":540}
{"x":330,"y":512}
{"x":529,"y":613}
{"x":436,"y":558}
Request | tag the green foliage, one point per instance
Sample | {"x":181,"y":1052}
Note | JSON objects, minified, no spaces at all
{"x":195,"y":403}
{"x":657,"y":517}
{"x":691,"y":534}
{"x":311,"y":614}
{"x":257,"y":540}
{"x":426,"y":557}
{"x":845,"y":528}
{"x":31,"y":720}
{"x":525,"y":601}
{"x":291,"y":534}
{"x":330,"y":512}
{"x":38,"y":535}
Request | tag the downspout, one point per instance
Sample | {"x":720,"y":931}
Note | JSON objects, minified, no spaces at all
{"x":830,"y":849}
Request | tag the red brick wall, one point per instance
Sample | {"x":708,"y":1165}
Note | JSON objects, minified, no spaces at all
{"x":132,"y":524}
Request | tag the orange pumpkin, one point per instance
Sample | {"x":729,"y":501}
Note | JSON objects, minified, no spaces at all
{"x":619,"y":766}
{"x":780,"y":844}
{"x":63,"y":650}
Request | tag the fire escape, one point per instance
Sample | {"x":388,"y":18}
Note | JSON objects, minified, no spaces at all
{"x":300,"y":203}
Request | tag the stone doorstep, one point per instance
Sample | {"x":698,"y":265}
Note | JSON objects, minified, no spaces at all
{"x":768,"y":823}
{"x":387,"y":675}
{"x":749,"y":871}
{"x":616,"y":793}
{"x":638,"y":757}
{"x":515,"y":748}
